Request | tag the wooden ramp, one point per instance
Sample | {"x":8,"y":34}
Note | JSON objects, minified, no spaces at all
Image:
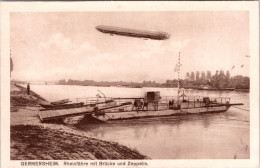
{"x":62,"y":113}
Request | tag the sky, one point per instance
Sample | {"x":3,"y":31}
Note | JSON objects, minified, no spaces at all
{"x":53,"y":46}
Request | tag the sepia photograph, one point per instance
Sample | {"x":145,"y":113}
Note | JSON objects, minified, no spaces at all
{"x":130,"y":85}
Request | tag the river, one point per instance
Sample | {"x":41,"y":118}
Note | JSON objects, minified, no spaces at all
{"x":208,"y":136}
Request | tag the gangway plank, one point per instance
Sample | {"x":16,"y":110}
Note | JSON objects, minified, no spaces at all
{"x":63,"y":113}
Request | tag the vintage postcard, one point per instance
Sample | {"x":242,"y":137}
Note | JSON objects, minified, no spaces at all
{"x":130,"y":84}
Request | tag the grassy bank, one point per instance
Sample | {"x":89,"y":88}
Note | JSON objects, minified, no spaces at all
{"x":33,"y":140}
{"x":19,"y":98}
{"x":23,"y":90}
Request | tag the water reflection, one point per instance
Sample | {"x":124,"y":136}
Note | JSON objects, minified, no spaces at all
{"x":179,"y":137}
{"x":206,"y":122}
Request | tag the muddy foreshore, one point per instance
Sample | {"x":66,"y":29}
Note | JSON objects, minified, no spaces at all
{"x":33,"y":140}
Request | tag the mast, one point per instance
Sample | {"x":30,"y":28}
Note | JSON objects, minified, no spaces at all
{"x":179,"y":67}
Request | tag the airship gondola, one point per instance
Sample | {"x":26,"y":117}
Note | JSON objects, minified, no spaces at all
{"x":155,"y":35}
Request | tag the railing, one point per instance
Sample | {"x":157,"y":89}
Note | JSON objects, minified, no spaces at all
{"x":163,"y":101}
{"x":222,"y":100}
{"x":92,"y":100}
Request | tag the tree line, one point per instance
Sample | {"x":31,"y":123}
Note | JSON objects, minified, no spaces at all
{"x":218,"y":80}
{"x":109,"y":83}
{"x":196,"y":79}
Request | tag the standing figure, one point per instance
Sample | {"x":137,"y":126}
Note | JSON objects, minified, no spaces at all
{"x":28,"y":88}
{"x":135,"y":105}
{"x":145,"y":106}
{"x":170,"y":104}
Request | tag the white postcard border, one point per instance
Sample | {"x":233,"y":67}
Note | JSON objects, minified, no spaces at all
{"x":251,"y":6}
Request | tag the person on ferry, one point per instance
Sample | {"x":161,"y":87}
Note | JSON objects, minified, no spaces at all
{"x":170,"y":104}
{"x":135,"y":105}
{"x":145,"y":104}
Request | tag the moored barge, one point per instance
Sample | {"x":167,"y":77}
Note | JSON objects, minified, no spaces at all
{"x":151,"y":105}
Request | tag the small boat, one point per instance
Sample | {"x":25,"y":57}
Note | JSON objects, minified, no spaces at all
{"x":216,"y":89}
{"x":243,"y":90}
{"x":63,"y":101}
{"x":61,"y":106}
{"x":96,"y":103}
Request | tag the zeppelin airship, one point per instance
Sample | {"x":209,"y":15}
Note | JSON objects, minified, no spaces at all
{"x":155,"y":35}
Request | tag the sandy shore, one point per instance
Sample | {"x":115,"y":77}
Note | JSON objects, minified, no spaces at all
{"x":31,"y":139}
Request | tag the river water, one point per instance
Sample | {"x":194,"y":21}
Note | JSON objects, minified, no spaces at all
{"x":208,"y":136}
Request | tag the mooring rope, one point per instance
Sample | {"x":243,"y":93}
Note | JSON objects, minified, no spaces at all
{"x":241,"y":108}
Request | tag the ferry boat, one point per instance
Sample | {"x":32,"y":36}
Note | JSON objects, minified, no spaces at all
{"x":151,"y":105}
